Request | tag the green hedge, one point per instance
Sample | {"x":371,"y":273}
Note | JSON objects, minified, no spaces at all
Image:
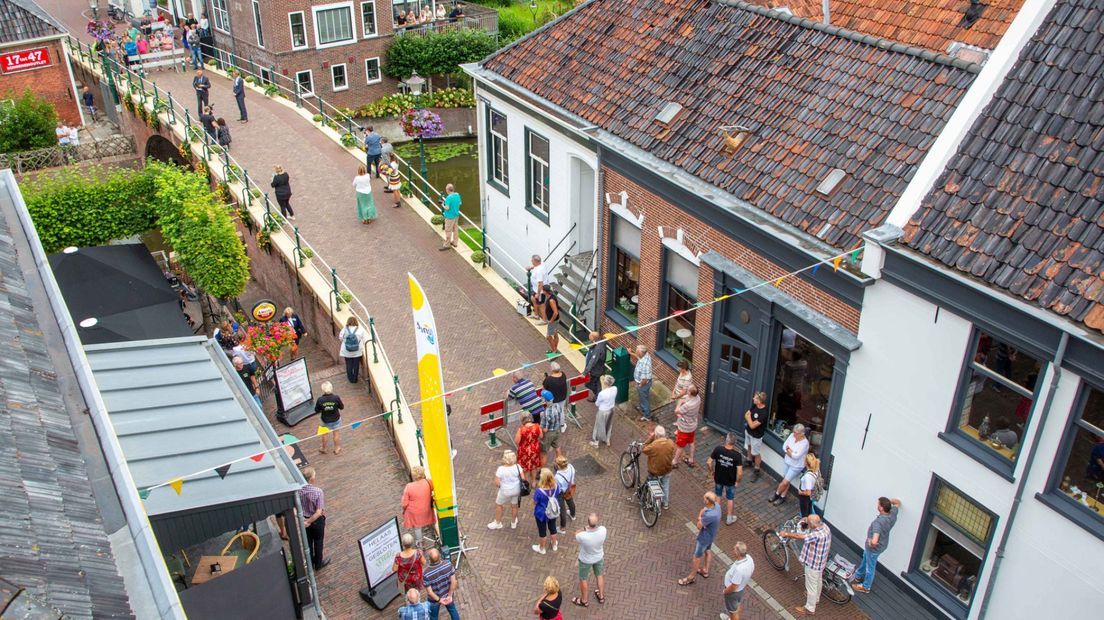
{"x":437,"y":53}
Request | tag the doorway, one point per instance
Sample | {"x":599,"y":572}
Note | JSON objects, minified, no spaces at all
{"x":734,"y":362}
{"x":582,"y":204}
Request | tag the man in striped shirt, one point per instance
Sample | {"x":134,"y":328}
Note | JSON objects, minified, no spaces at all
{"x":527,"y":396}
{"x":814,"y":556}
{"x":440,"y":583}
{"x":313,"y":502}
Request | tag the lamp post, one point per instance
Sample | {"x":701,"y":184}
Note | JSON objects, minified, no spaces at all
{"x":415,"y":83}
{"x":533,"y":10}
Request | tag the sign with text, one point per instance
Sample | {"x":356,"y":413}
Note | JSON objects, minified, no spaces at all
{"x":377,"y":551}
{"x":294,"y":384}
{"x":25,"y":60}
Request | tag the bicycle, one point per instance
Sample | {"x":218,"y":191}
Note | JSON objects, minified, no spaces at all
{"x":837,"y":573}
{"x":649,"y":493}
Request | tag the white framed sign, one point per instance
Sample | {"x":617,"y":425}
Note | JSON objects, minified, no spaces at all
{"x":377,"y":551}
{"x":293,"y":382}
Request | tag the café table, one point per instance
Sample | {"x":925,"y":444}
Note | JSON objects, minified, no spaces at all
{"x":203,"y":572}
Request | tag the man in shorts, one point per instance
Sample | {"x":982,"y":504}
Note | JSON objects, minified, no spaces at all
{"x":736,"y":580}
{"x":708,"y":520}
{"x":552,"y":315}
{"x":329,"y":407}
{"x":727,"y":466}
{"x":755,"y":420}
{"x":794,"y":450}
{"x":591,"y":558}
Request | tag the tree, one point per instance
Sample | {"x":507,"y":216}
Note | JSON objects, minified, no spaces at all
{"x":437,"y":53}
{"x":27,"y":124}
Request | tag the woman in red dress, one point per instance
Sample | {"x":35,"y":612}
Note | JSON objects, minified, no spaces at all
{"x":529,"y":454}
{"x":408,"y":564}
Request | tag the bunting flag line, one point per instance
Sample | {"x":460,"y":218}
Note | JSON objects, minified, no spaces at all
{"x":778,"y":282}
{"x":177,"y":483}
{"x":855,"y":256}
{"x":322,"y":430}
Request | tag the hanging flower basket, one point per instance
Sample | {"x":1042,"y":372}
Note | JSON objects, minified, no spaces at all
{"x":270,"y":342}
{"x":421,"y":124}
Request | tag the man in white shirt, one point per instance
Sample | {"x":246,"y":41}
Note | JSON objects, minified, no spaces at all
{"x":591,"y":557}
{"x":795,"y":449}
{"x":62,"y":133}
{"x":538,"y":276}
{"x":736,"y":580}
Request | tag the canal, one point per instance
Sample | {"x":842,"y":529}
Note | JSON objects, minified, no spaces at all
{"x":453,"y":161}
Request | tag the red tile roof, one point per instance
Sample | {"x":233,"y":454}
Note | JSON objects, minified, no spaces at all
{"x":815,"y":100}
{"x":1021,"y":204}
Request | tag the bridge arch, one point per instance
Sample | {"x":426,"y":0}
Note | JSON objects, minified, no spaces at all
{"x":162,"y":149}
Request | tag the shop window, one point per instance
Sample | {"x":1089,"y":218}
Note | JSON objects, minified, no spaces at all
{"x":625,"y":297}
{"x":952,"y":545}
{"x":680,"y":279}
{"x":1082,"y":471}
{"x":802,"y":387}
{"x":997,"y":396}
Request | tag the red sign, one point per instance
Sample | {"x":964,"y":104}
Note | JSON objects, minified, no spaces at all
{"x":24,"y":60}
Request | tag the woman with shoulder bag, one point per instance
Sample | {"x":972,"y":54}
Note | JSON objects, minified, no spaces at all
{"x":807,"y":486}
{"x":565,"y":484}
{"x":508,"y":481}
{"x":546,"y":510}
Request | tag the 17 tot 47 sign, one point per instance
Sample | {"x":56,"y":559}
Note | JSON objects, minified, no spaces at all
{"x":25,"y":60}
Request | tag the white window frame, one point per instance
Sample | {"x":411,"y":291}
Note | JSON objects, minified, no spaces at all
{"x":311,"y":74}
{"x":257,"y":29}
{"x":216,"y":10}
{"x":494,"y":151}
{"x":291,"y":31}
{"x":379,"y":70}
{"x":333,"y":82}
{"x":315,"y":10}
{"x":375,"y":20}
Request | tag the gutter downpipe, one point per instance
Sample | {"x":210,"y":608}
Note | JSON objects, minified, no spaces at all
{"x":1018,"y":499}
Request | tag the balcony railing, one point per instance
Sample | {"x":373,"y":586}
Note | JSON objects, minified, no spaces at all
{"x":475,"y":17}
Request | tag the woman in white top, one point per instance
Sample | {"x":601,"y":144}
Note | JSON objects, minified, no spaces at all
{"x":603,"y":421}
{"x":806,"y":487}
{"x":508,"y":481}
{"x":565,"y":482}
{"x":351,"y":342}
{"x":795,"y":448}
{"x":366,"y":203}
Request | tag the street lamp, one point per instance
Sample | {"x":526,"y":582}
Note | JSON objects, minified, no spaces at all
{"x":415,"y":83}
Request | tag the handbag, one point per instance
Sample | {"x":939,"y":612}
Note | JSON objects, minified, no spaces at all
{"x":524,"y":484}
{"x":570,"y":492}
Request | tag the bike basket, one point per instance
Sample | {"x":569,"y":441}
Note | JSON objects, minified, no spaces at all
{"x":839,"y":565}
{"x":656,"y":489}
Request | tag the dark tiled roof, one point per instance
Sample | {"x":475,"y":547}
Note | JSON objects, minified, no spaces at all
{"x":1021,"y":204}
{"x":931,"y":24}
{"x":815,"y":100}
{"x":52,"y":539}
{"x":21,"y":20}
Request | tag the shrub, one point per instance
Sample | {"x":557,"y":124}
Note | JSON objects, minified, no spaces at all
{"x":317,"y":118}
{"x":348,"y":140}
{"x":271,"y":90}
{"x":437,"y":220}
{"x":478,"y":257}
{"x":249,"y":79}
{"x":345,"y":296}
{"x":437,"y":53}
{"x":27,"y":124}
{"x":211,"y":62}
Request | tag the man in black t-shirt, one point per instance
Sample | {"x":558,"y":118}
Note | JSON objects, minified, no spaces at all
{"x":755,"y":419}
{"x":329,"y":406}
{"x":727,"y":465}
{"x":249,"y":379}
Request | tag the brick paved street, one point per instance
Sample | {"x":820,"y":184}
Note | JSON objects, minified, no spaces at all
{"x":479,"y":331}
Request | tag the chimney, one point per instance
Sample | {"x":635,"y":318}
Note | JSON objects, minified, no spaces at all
{"x":824,"y":9}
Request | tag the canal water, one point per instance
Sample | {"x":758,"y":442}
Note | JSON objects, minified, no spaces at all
{"x":453,"y":161}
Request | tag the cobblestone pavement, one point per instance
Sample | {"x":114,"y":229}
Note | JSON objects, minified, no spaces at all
{"x":479,"y":331}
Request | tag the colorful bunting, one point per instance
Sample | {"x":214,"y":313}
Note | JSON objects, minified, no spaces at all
{"x":258,"y":457}
{"x":632,"y":328}
{"x":836,"y":263}
{"x":816,"y":268}
{"x":609,"y":335}
{"x":498,"y":372}
{"x":222,"y":471}
{"x":355,"y":425}
{"x":143,"y":493}
{"x":551,"y":354}
{"x":322,"y":430}
{"x":855,"y":256}
{"x":699,"y":304}
{"x":575,"y":345}
{"x":177,"y":485}
{"x":778,"y":282}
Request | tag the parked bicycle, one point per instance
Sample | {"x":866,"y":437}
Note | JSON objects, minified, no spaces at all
{"x":649,"y":493}
{"x":837,"y":573}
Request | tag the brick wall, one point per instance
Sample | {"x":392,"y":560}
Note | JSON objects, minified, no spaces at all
{"x":51,"y":83}
{"x":659,"y":212}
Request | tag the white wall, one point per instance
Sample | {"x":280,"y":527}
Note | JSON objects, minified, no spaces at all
{"x":905,"y":377}
{"x":510,"y":227}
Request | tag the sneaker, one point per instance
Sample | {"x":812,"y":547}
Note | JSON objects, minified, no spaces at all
{"x":773,"y":497}
{"x":572,"y":515}
{"x":666,"y":506}
{"x":645,"y":418}
{"x":563,"y":427}
{"x":555,"y":546}
{"x":513,"y":526}
{"x":538,"y":549}
{"x":494,"y":525}
{"x":594,"y":443}
{"x":724,"y":616}
{"x":542,"y":322}
{"x":730,"y":520}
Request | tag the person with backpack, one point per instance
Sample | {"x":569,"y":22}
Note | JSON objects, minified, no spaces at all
{"x":565,"y":484}
{"x":352,"y":338}
{"x":546,"y":510}
{"x":810,"y":487}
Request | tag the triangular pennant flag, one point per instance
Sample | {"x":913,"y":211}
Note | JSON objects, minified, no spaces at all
{"x":551,"y":354}
{"x":177,"y":485}
{"x":699,"y":304}
{"x":609,"y":336}
{"x":449,"y":395}
{"x":322,"y":430}
{"x":816,"y":268}
{"x":498,"y":372}
{"x":143,"y":493}
{"x":576,"y":346}
{"x":836,"y":262}
{"x":258,"y":457}
{"x":632,"y":328}
{"x":855,"y":256}
{"x":778,"y":282}
{"x":355,"y":425}
{"x":469,"y":388}
{"x":222,"y":471}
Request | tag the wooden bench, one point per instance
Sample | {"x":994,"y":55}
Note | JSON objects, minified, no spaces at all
{"x":162,"y":58}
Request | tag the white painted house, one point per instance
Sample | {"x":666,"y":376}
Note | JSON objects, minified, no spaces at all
{"x":978,"y":394}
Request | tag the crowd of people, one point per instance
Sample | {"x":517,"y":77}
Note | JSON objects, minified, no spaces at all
{"x":411,"y":17}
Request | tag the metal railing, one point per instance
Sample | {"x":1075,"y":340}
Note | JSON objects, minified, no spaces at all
{"x":61,"y":155}
{"x":476,"y":18}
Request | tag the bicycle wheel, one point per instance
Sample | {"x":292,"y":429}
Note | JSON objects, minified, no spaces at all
{"x":649,"y":509}
{"x":628,"y":470}
{"x":835,"y":590}
{"x":775,"y":548}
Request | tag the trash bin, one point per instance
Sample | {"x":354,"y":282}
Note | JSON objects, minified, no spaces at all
{"x":621,"y":369}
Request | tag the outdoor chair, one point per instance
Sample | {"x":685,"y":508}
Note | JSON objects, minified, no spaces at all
{"x":250,"y":544}
{"x":178,"y":566}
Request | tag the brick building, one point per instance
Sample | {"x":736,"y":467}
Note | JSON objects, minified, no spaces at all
{"x":32,"y":56}
{"x":332,"y":49}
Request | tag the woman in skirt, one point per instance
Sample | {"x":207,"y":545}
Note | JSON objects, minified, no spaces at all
{"x":366,"y":203}
{"x":394,"y":182}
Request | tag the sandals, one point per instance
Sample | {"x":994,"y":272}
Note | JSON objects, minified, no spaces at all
{"x":703,"y":574}
{"x":601,"y":599}
{"x":685,"y":582}
{"x":580,"y":602}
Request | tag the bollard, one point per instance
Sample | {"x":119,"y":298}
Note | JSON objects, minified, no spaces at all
{"x":299,"y":255}
{"x":372,"y":333}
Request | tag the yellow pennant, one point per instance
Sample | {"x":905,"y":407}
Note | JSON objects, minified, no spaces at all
{"x":778,"y":282}
{"x":836,"y":263}
{"x":576,"y":346}
{"x":177,"y":485}
{"x":609,"y":335}
{"x":322,"y":430}
{"x":498,"y":372}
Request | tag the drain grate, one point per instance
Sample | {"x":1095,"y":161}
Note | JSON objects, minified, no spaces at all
{"x":587,"y":466}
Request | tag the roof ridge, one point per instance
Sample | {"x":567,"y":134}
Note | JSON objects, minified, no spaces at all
{"x":34,"y":10}
{"x":853,"y":35}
